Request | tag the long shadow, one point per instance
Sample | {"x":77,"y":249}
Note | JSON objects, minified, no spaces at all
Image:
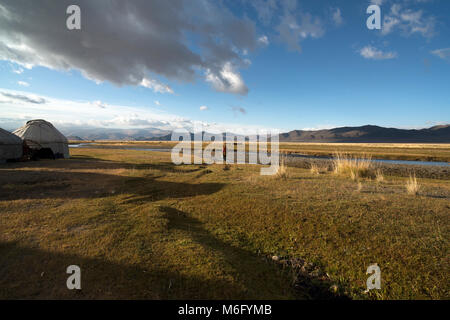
{"x":86,"y":162}
{"x":34,"y":184}
{"x":32,"y":273}
{"x":255,"y":272}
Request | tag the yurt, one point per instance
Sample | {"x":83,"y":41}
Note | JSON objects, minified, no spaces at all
{"x":39,"y":134}
{"x":10,"y":146}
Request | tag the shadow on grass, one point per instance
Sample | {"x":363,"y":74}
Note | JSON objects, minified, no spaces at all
{"x":33,"y":273}
{"x":257,"y":274}
{"x":34,"y":184}
{"x":82,"y":162}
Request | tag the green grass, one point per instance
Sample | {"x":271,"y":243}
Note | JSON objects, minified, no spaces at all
{"x":140,"y":227}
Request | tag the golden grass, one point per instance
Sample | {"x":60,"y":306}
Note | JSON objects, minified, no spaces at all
{"x":379,"y":177}
{"x":359,"y":186}
{"x":412,"y":186}
{"x":353,"y":166}
{"x":282,"y":172}
{"x":143,"y":228}
{"x":314,"y":169}
{"x":393,"y":151}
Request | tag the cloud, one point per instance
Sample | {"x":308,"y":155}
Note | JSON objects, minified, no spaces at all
{"x":294,"y":28}
{"x":408,"y":22}
{"x":156,"y":86}
{"x":157,"y":103}
{"x":227,"y":80}
{"x":203,"y":108}
{"x":373,"y":53}
{"x":99,"y":104}
{"x":21,"y":98}
{"x":17,"y":107}
{"x":320,"y":127}
{"x":265,"y":9}
{"x":292,"y":25}
{"x":137,"y":42}
{"x":239,"y":110}
{"x":23,"y":83}
{"x":17,"y":70}
{"x":337,"y":17}
{"x":442,"y":53}
{"x":263,"y":40}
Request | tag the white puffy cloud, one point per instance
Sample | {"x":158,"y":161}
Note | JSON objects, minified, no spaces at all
{"x":370,"y":52}
{"x":442,"y":53}
{"x":156,"y":86}
{"x":408,"y":22}
{"x":263,"y":40}
{"x":203,"y":108}
{"x":227,"y":80}
{"x":23,"y":83}
{"x":99,"y":104}
{"x":17,"y":107}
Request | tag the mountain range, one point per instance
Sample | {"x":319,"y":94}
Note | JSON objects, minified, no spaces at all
{"x":371,"y":134}
{"x":362,"y":134}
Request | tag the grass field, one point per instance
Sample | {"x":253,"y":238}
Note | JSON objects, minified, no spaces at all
{"x":390,"y":151}
{"x":141,"y":227}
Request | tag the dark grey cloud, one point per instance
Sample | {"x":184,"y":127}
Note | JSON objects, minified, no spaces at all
{"x":23,"y":98}
{"x":237,"y":110}
{"x":137,"y":42}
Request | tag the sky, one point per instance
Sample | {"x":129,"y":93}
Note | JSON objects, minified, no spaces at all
{"x":238,"y":65}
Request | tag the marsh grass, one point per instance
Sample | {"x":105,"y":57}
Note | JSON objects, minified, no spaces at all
{"x":412,"y":186}
{"x":314,"y":169}
{"x":282,"y":172}
{"x":359,"y":186}
{"x":353,"y":166}
{"x":379,"y":177}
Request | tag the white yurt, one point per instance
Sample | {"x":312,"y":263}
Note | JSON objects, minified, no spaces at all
{"x":10,"y":146}
{"x":39,"y":134}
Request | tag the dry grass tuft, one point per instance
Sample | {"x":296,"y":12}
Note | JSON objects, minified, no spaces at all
{"x":282,"y":172}
{"x":314,"y":169}
{"x":379,"y":177}
{"x":412,"y":186}
{"x":360,"y":186}
{"x":354,"y":166}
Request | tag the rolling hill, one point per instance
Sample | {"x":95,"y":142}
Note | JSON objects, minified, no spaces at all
{"x":370,"y":134}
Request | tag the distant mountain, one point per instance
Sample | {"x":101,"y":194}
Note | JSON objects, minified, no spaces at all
{"x":370,"y":134}
{"x":74,"y":138}
{"x":74,"y":133}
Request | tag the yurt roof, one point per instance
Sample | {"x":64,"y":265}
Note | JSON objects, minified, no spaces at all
{"x":7,"y":138}
{"x":40,"y":131}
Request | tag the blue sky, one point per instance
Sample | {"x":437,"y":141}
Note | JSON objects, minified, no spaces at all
{"x":265,"y":64}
